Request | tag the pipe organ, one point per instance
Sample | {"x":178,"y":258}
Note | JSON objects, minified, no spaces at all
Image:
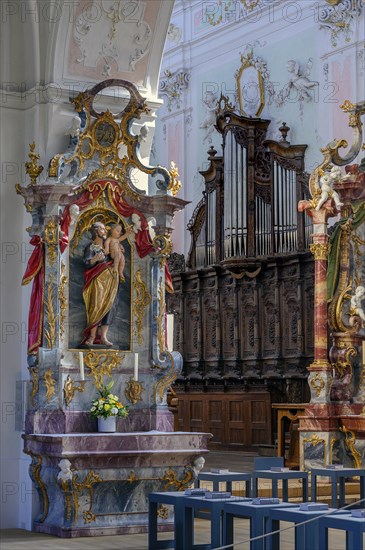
{"x":243,"y":304}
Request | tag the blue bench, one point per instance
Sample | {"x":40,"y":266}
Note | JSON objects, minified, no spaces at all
{"x":306,"y":536}
{"x":227,"y":478}
{"x":338,"y":477}
{"x":258,"y":516}
{"x":192,"y":505}
{"x":354,"y":527}
{"x":262,"y":470}
{"x":173,"y":498}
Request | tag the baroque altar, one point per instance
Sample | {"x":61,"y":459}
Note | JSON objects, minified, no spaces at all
{"x":97,"y":314}
{"x":332,"y":428}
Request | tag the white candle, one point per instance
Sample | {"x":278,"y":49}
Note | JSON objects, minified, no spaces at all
{"x":170,"y":331}
{"x":81,"y":359}
{"x":136,"y":366}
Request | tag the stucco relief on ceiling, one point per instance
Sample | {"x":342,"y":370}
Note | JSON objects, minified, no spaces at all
{"x":111,"y":39}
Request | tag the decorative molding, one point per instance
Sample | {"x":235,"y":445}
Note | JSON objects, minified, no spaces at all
{"x":69,"y":389}
{"x":34,"y":373}
{"x":62,"y":299}
{"x":339,"y":17}
{"x":142,"y":300}
{"x":50,"y":315}
{"x":51,"y":240}
{"x":32,"y":168}
{"x":101,"y":364}
{"x":133,"y":391}
{"x":350,"y":441}
{"x":125,"y":19}
{"x":50,"y":384}
{"x":317,"y":383}
{"x":35,"y":475}
{"x":172,"y":84}
{"x":175,"y":184}
{"x":320,"y":251}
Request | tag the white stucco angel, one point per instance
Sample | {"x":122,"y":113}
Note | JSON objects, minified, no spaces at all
{"x":327,"y":190}
{"x":198,"y":465}
{"x":356,"y":302}
{"x":299,"y":80}
{"x":210,"y":104}
{"x":66,"y":472}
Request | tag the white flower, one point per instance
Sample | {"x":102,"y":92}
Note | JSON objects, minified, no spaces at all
{"x":114,"y":410}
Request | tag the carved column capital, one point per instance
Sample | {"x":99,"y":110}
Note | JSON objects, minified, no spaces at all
{"x":320,"y":251}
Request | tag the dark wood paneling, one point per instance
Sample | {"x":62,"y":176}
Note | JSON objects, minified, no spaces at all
{"x":237,"y":420}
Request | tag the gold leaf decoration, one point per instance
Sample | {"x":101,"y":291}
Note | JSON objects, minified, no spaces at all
{"x":142,"y":300}
{"x":102,"y":363}
{"x":62,"y":299}
{"x":51,"y":240}
{"x":69,"y":389}
{"x":35,"y":475}
{"x":50,"y":384}
{"x":50,"y":315}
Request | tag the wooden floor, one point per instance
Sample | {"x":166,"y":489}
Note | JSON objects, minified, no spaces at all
{"x":17,"y":539}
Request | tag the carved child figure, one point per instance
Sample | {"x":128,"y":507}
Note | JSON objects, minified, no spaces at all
{"x":115,"y":249}
{"x":327,"y":190}
{"x":356,"y":302}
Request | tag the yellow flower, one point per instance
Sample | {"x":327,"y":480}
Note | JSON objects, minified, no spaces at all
{"x":106,"y":406}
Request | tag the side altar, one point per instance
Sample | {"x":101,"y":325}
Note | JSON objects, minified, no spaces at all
{"x":332,"y":427}
{"x":97,"y":315}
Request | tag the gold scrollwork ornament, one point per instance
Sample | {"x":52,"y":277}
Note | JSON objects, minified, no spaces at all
{"x":101,"y":364}
{"x":50,"y":332}
{"x":51,"y":240}
{"x":317,"y":383}
{"x":50,"y":384}
{"x":133,"y":391}
{"x":142,"y":300}
{"x":320,"y":251}
{"x":62,"y":299}
{"x":69,"y":389}
{"x":174,"y":185}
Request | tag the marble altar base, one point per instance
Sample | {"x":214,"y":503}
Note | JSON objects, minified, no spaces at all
{"x":106,"y":489}
{"x":332,"y":433}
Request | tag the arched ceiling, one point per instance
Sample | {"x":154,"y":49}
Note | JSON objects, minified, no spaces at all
{"x":98,"y":40}
{"x":77,"y":43}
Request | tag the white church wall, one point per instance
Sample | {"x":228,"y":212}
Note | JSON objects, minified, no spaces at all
{"x":207,"y":41}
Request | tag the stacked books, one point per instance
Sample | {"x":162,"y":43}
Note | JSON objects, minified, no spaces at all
{"x":334,"y":466}
{"x":218,"y":494}
{"x":265,"y":500}
{"x":279,"y":469}
{"x":358,"y":513}
{"x":312,"y":506}
{"x":219,"y":471}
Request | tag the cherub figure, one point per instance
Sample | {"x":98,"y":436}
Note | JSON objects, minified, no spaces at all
{"x":356,"y":302}
{"x":114,"y":248}
{"x":66,"y":473}
{"x":327,"y":190}
{"x":198,"y":465}
{"x":299,"y":80}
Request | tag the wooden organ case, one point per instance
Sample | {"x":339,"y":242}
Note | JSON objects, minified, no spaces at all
{"x":243,"y":304}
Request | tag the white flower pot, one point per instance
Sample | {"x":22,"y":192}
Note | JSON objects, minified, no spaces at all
{"x":107,"y":424}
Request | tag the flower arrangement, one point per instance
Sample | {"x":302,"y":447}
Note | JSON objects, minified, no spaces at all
{"x":108,"y":404}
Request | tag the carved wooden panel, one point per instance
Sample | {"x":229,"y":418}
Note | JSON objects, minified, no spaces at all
{"x":236,"y":420}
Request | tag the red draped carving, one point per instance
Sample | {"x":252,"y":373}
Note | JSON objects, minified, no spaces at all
{"x":35,"y":272}
{"x":143,"y":240}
